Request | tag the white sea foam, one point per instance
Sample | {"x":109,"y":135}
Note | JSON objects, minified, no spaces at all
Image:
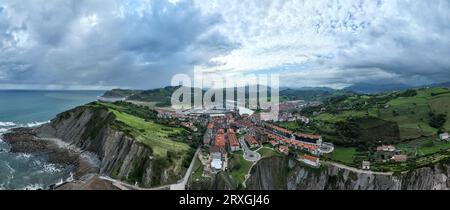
{"x":23,"y":156}
{"x":33,"y":187}
{"x":7,"y":124}
{"x":11,"y":170}
{"x":35,"y":124}
{"x":51,"y":168}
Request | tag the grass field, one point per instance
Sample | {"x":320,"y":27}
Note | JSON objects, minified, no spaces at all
{"x":412,"y":113}
{"x":341,"y":116}
{"x":423,"y":147}
{"x":241,"y":167}
{"x":266,"y":152}
{"x":343,"y":154}
{"x":156,"y":136}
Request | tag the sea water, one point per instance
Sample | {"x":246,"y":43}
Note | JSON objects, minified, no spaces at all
{"x":30,"y":109}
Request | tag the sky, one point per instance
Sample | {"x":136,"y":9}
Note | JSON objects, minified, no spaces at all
{"x":142,"y":44}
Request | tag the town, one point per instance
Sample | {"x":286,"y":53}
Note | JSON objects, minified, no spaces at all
{"x":231,"y":130}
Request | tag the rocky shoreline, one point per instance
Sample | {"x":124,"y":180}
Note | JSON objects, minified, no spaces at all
{"x":25,"y":140}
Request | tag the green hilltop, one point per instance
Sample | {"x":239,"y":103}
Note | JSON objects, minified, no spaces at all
{"x":411,"y":120}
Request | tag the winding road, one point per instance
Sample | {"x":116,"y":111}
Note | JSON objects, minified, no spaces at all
{"x":249,"y":155}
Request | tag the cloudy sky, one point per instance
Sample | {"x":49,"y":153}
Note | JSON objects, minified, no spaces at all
{"x":91,"y":44}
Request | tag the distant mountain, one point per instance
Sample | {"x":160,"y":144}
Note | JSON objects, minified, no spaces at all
{"x":445,"y":84}
{"x":370,"y":88}
{"x":311,"y":94}
{"x":120,"y":93}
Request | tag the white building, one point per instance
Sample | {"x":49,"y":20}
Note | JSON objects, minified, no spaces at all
{"x":366,"y":165}
{"x":444,"y":136}
{"x":216,"y":162}
{"x":310,"y":160}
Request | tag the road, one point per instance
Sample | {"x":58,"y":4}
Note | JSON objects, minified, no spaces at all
{"x":249,"y":155}
{"x":356,"y":169}
{"x":182,"y":185}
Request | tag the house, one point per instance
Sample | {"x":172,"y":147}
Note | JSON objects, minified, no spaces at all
{"x":309,"y":160}
{"x":365,"y":165}
{"x":283,"y":149}
{"x":386,"y":152}
{"x":219,"y":140}
{"x":232,"y":140}
{"x":273,"y":143}
{"x":251,"y":141}
{"x":444,"y":136}
{"x":307,"y":137}
{"x":386,"y":148}
{"x":399,"y":158}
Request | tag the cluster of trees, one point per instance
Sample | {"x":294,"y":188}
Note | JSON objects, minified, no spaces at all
{"x":348,"y":128}
{"x":437,"y":120}
{"x":408,"y":93}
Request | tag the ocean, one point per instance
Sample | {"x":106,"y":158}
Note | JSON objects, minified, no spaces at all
{"x":29,"y":109}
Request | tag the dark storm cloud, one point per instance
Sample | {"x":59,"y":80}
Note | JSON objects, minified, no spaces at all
{"x":138,"y":44}
{"x":413,"y":46}
{"x":143,"y":43}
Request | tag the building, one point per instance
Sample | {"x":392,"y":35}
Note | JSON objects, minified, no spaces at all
{"x":444,"y":136}
{"x":365,"y":165}
{"x":273,"y":143}
{"x":309,"y":160}
{"x":219,"y":140}
{"x":386,"y":148}
{"x":207,"y":139}
{"x":278,"y":130}
{"x":386,"y":152}
{"x":305,"y":146}
{"x":283,"y":149}
{"x":308,"y":137}
{"x":232,"y":140}
{"x":251,"y":141}
{"x":210,"y":128}
{"x":216,"y":161}
{"x":399,"y":158}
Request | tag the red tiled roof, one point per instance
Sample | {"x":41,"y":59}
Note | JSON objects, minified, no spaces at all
{"x":219,"y":140}
{"x":274,"y":127}
{"x":308,"y":136}
{"x":304,"y":145}
{"x":308,"y":157}
{"x":250,"y":139}
{"x":210,"y":125}
{"x":232,"y":138}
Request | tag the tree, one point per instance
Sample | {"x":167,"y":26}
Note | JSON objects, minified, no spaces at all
{"x":437,"y":120}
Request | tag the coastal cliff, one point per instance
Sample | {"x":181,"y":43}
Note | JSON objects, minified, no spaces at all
{"x":281,"y":173}
{"x":96,"y":130}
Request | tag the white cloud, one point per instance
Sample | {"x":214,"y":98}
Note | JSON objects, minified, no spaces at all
{"x":143,"y":43}
{"x":406,"y":41}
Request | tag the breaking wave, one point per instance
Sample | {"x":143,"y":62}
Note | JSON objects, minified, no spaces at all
{"x":34,"y":187}
{"x":4,"y":126}
{"x":35,"y":124}
{"x":7,"y":124}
